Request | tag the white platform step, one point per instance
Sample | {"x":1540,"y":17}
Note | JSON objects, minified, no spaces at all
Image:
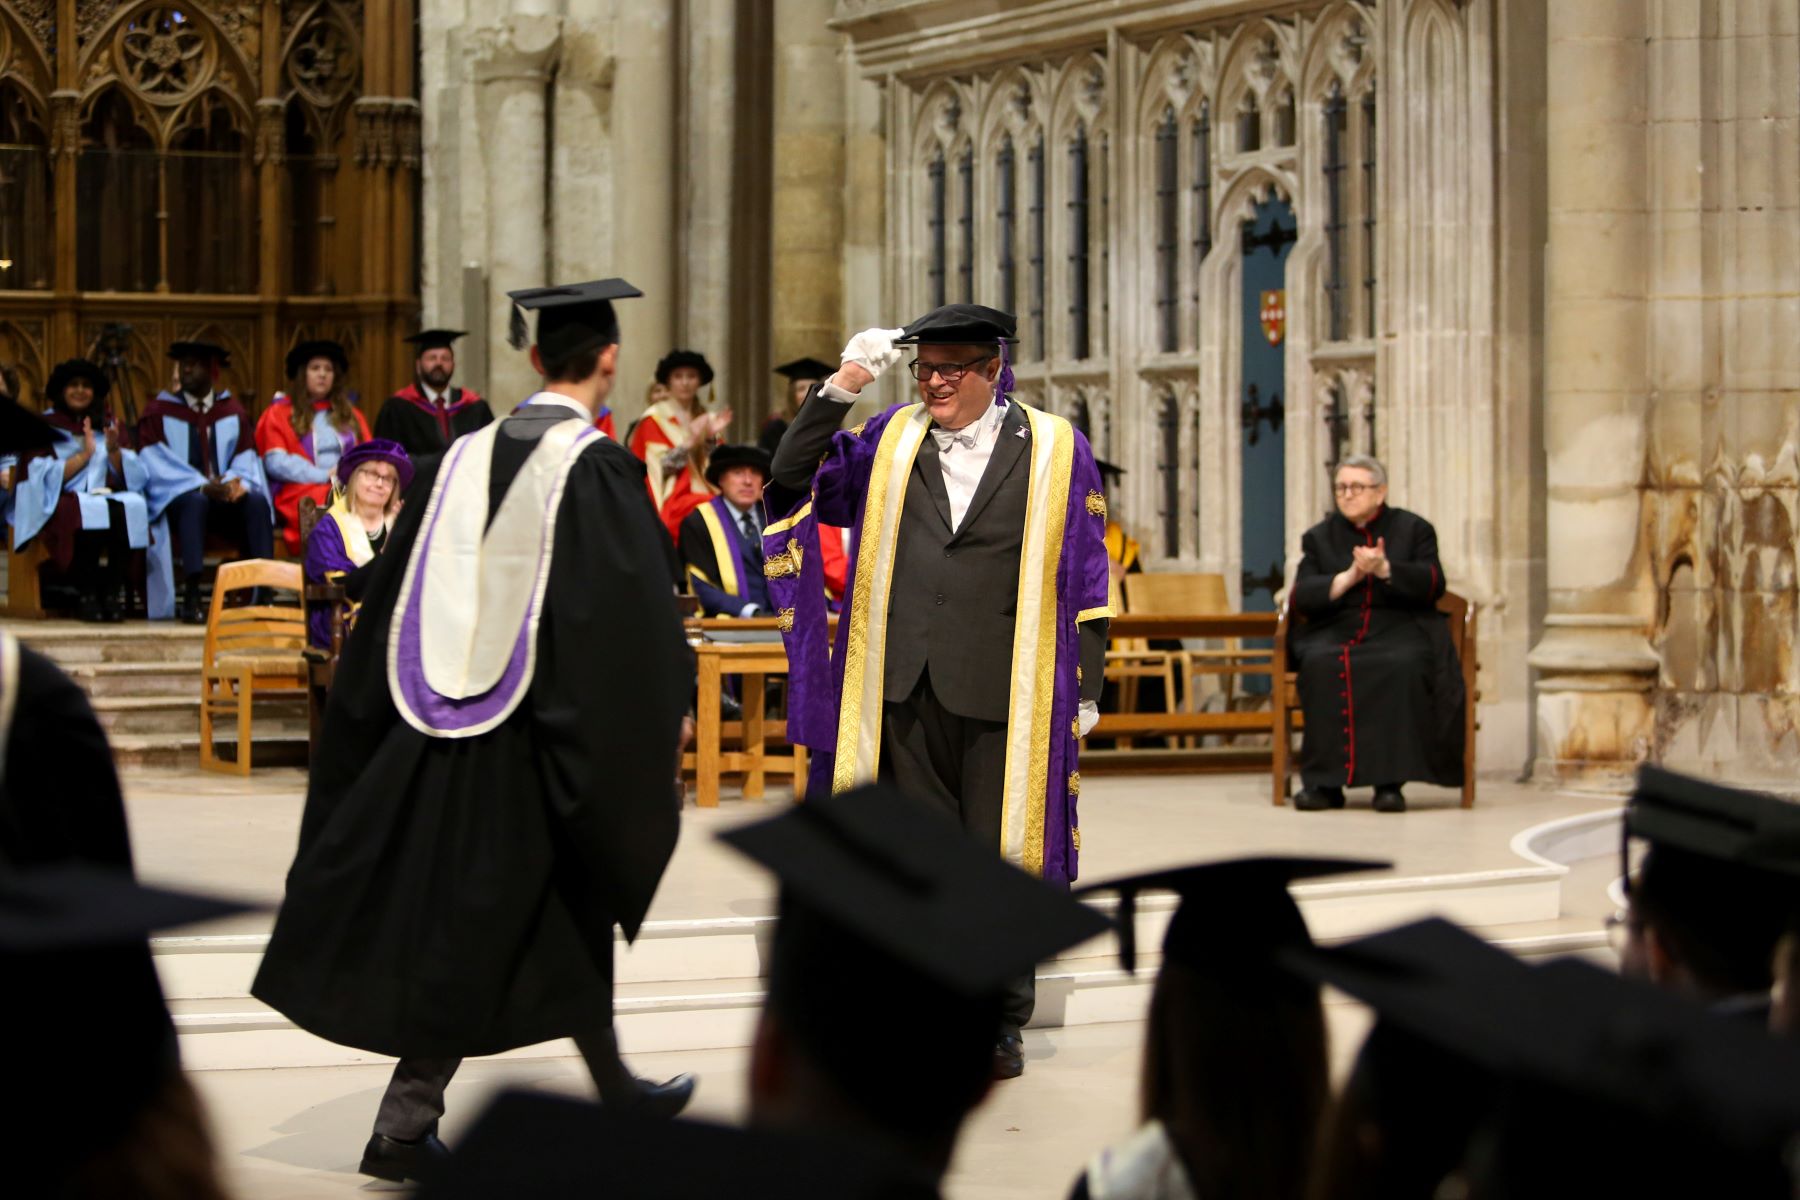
{"x":691,"y":985}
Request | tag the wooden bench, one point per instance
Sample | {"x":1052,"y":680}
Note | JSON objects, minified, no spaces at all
{"x":753,"y":662}
{"x":1285,"y":709}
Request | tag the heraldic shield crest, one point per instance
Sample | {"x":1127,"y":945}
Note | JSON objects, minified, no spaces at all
{"x":1274,"y":316}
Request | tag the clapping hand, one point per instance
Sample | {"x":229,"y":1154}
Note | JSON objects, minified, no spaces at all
{"x":87,"y":439}
{"x":112,"y":437}
{"x":1371,"y":560}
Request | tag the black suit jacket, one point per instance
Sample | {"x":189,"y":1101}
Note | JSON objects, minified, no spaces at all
{"x":954,"y":597}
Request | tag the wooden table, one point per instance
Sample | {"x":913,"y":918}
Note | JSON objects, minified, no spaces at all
{"x":753,"y":662}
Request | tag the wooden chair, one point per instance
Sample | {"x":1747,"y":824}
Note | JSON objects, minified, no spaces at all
{"x":1204,"y":594}
{"x":251,"y":651}
{"x":24,"y":592}
{"x":321,"y":661}
{"x":1129,"y":660}
{"x":1461,"y":615}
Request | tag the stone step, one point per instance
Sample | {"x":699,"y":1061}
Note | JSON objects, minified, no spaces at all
{"x":161,"y":715}
{"x":75,"y":643}
{"x":137,"y":679}
{"x":281,"y":747}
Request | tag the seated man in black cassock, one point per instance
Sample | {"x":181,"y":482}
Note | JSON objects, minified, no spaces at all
{"x":721,"y":541}
{"x":1379,"y":682}
{"x":428,"y":414}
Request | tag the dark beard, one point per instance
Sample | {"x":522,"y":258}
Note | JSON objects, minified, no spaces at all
{"x":435,"y":380}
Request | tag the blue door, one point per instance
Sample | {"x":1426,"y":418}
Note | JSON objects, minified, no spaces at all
{"x":1263,"y":403}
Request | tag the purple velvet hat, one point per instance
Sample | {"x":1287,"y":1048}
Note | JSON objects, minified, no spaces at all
{"x":376,"y":450}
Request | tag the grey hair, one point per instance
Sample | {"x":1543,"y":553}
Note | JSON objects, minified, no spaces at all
{"x":1363,"y":462}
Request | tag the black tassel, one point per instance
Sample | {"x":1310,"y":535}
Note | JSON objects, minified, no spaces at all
{"x":518,"y":335}
{"x":1128,"y":931}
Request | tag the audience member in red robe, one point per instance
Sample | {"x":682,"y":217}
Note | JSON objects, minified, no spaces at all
{"x":675,"y":436}
{"x":301,"y":439}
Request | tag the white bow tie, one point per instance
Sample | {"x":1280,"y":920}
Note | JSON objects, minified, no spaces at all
{"x":961,"y":437}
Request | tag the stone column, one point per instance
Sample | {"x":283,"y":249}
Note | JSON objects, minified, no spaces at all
{"x":647,"y":80}
{"x":511,"y":63}
{"x":708,"y":234}
{"x":1596,"y":668}
{"x":807,"y":268}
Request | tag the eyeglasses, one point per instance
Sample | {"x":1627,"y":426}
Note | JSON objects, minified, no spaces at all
{"x":1354,"y":489}
{"x":948,"y":372}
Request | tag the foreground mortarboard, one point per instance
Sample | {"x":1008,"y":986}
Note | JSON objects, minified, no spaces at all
{"x":21,"y":429}
{"x":806,"y":368}
{"x":572,"y":317}
{"x":1727,"y":824}
{"x":899,"y":877}
{"x":210,"y":351}
{"x":1237,"y":907}
{"x":93,"y":1039}
{"x":528,"y":1146}
{"x":305,"y":352}
{"x":434,"y":339}
{"x":960,"y":324}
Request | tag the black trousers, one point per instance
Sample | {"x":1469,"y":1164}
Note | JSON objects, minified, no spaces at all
{"x":957,"y":765}
{"x":248,"y":523}
{"x":113,"y":544}
{"x":414,"y":1099}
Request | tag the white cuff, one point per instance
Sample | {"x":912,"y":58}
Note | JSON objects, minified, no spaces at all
{"x":1086,"y":717}
{"x":832,"y":391}
{"x":749,"y":610}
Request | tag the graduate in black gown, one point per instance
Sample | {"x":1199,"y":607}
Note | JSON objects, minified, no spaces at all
{"x":428,"y":414}
{"x":1379,"y":681}
{"x":493,"y":792}
{"x":801,"y":375}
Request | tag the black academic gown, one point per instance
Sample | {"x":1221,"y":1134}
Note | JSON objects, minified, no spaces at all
{"x":407,"y":418}
{"x":1380,"y":685}
{"x":455,"y":897}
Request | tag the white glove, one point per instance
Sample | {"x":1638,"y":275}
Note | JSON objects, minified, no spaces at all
{"x":873,"y":350}
{"x":1086,"y":717}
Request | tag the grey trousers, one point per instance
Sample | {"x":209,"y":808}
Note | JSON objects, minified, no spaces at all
{"x":957,"y":765}
{"x":414,"y":1099}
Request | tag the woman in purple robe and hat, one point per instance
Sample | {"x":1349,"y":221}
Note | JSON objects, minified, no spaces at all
{"x":371,"y":477}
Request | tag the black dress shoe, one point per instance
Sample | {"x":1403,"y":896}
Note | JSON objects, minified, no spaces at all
{"x":189,"y":612}
{"x":655,"y":1099}
{"x":1009,"y":1056}
{"x":1389,"y":799}
{"x":403,"y":1162}
{"x":89,"y":609}
{"x":1319,"y":799}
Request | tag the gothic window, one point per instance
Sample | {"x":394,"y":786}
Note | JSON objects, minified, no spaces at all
{"x":1103,"y":234}
{"x":1079,"y":315}
{"x":1006,"y":223}
{"x":934,"y":271}
{"x":1168,"y":467}
{"x":117,"y":201}
{"x":1286,"y":118}
{"x":965,"y":225}
{"x":1168,"y":237}
{"x":309,"y":205}
{"x":211,"y":200}
{"x":1202,"y":190}
{"x":1081,"y":417}
{"x":1336,"y":252}
{"x":25,"y":191}
{"x":1249,"y":123}
{"x":1035,"y":168}
{"x":1369,"y":211}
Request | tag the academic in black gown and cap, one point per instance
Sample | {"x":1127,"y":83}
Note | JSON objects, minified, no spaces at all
{"x":1380,"y":685}
{"x":493,"y":791}
{"x":428,"y":414}
{"x":801,"y":375}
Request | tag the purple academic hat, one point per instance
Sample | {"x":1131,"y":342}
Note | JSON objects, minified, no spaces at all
{"x":376,"y":450}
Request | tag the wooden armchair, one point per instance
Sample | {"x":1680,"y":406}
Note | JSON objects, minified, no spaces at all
{"x":251,"y":650}
{"x":1459,"y":612}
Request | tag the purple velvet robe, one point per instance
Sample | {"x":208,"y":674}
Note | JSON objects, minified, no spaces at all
{"x":816,"y":667}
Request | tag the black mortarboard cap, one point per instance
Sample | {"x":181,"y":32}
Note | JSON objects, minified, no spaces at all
{"x":1234,"y":909}
{"x":723,"y":458}
{"x":572,"y":317}
{"x":1109,"y":471}
{"x":210,"y":351}
{"x":1727,"y":824}
{"x":960,"y":325}
{"x":21,"y":429}
{"x":72,"y":938}
{"x":807,"y":368}
{"x":305,"y":352}
{"x":898,"y":876}
{"x":531,"y":1146}
{"x":434,"y":339}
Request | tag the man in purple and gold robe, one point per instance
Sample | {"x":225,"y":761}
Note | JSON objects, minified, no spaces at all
{"x":971,"y":643}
